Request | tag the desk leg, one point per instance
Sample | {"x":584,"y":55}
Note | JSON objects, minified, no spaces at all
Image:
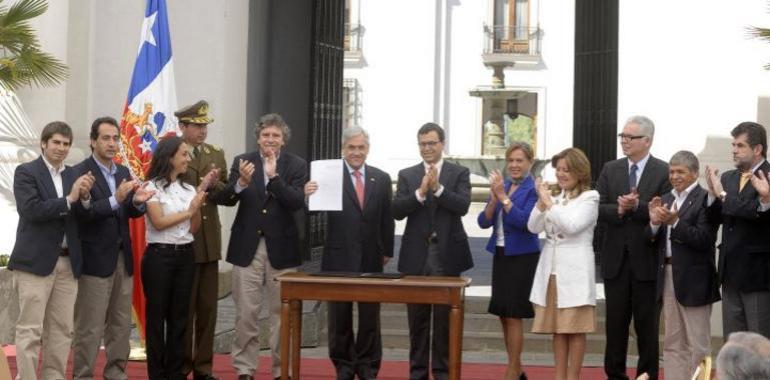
{"x":296,"y":336}
{"x":285,"y":339}
{"x":455,"y":341}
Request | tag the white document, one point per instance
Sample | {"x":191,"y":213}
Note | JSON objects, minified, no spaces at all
{"x":328,"y":175}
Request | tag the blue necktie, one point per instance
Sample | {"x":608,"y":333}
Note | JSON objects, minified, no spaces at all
{"x":632,"y":178}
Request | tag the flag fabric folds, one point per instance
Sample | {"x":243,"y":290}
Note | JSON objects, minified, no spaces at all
{"x":148,"y":115}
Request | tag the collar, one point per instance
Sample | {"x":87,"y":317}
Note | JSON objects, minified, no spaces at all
{"x":52,"y":169}
{"x":519,"y":181}
{"x":639,"y":164}
{"x":438,"y":165}
{"x":686,"y":191}
{"x":362,"y":169}
{"x":111,"y":170}
{"x":755,"y":167}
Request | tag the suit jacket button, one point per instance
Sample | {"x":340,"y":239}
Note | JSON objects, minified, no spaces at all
{"x":204,"y":203}
{"x":264,"y":211}
{"x":259,"y":232}
{"x":204,"y":217}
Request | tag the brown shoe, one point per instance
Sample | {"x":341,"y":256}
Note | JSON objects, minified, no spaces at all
{"x":245,"y":377}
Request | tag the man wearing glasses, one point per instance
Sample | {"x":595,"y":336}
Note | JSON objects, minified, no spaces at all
{"x":433,"y":195}
{"x":628,"y":261}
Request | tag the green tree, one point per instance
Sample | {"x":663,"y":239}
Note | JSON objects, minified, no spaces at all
{"x":22,"y":62}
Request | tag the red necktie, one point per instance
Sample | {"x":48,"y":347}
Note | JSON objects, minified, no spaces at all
{"x":359,"y":188}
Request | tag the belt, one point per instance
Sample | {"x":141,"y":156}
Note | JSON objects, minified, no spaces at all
{"x":667,"y":261}
{"x":64,"y":252}
{"x":173,"y":247}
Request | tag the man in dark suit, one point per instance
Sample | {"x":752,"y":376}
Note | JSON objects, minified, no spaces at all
{"x":359,"y":239}
{"x":433,"y":195}
{"x":628,"y":261}
{"x":103,"y":306}
{"x":46,"y":258}
{"x":207,"y":171}
{"x":684,"y":236}
{"x":741,"y":199}
{"x":264,"y":240}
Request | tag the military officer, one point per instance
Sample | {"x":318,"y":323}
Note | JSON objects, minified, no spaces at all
{"x":206,"y":170}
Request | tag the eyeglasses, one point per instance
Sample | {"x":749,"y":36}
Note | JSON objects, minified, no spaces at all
{"x":428,"y":144}
{"x":629,"y":137}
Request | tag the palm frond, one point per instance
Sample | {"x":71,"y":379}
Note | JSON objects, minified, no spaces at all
{"x":22,"y":61}
{"x":22,"y":11}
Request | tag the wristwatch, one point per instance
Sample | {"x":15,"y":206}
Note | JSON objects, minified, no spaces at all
{"x":722,"y":195}
{"x":506,"y":202}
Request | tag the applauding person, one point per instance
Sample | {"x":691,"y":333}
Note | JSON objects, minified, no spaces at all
{"x":564,"y":290}
{"x":173,"y":216}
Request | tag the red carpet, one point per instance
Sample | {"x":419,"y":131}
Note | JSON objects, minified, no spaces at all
{"x":317,"y":369}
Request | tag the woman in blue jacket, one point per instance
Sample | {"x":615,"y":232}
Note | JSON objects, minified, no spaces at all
{"x":516,"y":249}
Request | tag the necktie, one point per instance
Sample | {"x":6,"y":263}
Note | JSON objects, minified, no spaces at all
{"x":632,"y":177}
{"x":359,"y":188}
{"x":744,"y":180}
{"x":195,"y":152}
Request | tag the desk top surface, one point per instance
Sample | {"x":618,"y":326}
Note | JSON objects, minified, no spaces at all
{"x":427,"y":281}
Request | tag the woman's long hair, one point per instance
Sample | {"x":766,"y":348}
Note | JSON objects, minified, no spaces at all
{"x":160,"y":166}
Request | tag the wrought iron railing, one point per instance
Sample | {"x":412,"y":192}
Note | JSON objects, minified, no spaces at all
{"x":500,"y":39}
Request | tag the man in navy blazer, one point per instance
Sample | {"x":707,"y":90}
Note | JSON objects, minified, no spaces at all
{"x":46,"y":258}
{"x":359,"y":239}
{"x":433,"y":195}
{"x":684,"y":237}
{"x":740,"y":200}
{"x":103,"y":306}
{"x":267,"y":184}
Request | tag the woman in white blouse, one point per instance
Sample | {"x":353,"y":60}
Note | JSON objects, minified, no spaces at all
{"x":564,"y":290}
{"x":173,"y":215}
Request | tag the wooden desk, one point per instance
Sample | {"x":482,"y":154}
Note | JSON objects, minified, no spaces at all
{"x":297,"y":286}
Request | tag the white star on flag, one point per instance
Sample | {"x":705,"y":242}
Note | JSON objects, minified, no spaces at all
{"x":147,"y":36}
{"x":145,"y":146}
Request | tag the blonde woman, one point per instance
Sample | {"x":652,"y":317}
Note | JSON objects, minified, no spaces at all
{"x":564,"y":291}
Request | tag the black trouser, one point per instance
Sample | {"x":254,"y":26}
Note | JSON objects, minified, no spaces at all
{"x":360,"y":355}
{"x":167,"y":276}
{"x":627,"y":297}
{"x":421,"y":345}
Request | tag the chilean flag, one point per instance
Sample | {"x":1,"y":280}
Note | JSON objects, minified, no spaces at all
{"x":148,"y":115}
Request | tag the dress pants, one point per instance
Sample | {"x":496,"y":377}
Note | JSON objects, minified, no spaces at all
{"x":745,"y":311}
{"x":248,"y":285}
{"x":421,"y":345}
{"x":46,"y":308}
{"x":103,"y":310}
{"x":360,"y":354}
{"x":167,"y":275}
{"x":688,"y":333}
{"x":628,"y":297}
{"x":199,"y":338}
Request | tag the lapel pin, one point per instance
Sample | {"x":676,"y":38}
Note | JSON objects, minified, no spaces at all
{"x":371,"y":179}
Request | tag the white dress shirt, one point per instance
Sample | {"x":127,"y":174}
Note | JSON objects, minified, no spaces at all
{"x":58,"y":185}
{"x":173,"y":199}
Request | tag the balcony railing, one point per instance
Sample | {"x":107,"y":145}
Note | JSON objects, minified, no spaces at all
{"x":500,"y":39}
{"x":352,"y":41}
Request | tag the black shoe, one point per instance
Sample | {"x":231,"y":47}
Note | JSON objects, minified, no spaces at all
{"x":206,"y":376}
{"x":523,"y":376}
{"x":245,"y":377}
{"x":279,"y":378}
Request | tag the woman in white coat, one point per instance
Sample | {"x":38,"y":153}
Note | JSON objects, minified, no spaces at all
{"x":564,"y":291}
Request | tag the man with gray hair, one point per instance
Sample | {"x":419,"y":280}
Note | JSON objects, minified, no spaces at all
{"x":687,"y":277}
{"x":628,"y":261}
{"x":264,"y":240}
{"x":745,"y":356}
{"x":359,"y":239}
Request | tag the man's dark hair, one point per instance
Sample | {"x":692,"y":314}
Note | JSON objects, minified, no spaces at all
{"x":102,"y":120}
{"x":755,"y":134}
{"x":431,"y":127}
{"x":53,"y":128}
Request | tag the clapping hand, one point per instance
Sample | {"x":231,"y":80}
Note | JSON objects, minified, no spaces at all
{"x":712,"y":181}
{"x":760,"y":183}
{"x":208,"y":179}
{"x":496,"y":187}
{"x":270,"y":163}
{"x":125,"y":187}
{"x":85,"y":185}
{"x":543,"y":194}
{"x":246,"y":170}
{"x":141,"y":194}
